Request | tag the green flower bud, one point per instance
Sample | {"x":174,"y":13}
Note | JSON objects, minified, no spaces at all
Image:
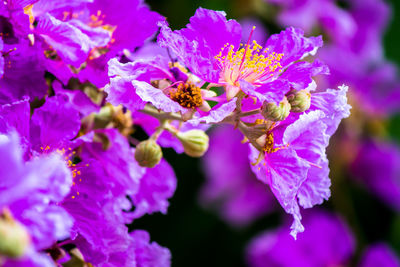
{"x":148,"y":153}
{"x":195,"y":142}
{"x":300,"y":101}
{"x":272,"y":112}
{"x":14,"y":239}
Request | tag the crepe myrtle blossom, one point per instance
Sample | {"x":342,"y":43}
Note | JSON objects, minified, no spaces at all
{"x":289,"y":155}
{"x":95,"y":193}
{"x":167,"y":85}
{"x":336,"y":246}
{"x":99,"y":206}
{"x":30,"y":192}
{"x":276,"y":248}
{"x":79,"y":37}
{"x":210,"y":47}
{"x":354,"y":50}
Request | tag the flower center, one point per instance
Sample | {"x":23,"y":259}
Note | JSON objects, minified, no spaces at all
{"x":250,"y":63}
{"x":269,"y":144}
{"x":187,"y":95}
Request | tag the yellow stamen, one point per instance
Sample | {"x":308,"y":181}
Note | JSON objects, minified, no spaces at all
{"x":250,"y":63}
{"x":187,"y":95}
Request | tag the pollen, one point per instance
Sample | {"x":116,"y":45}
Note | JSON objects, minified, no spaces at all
{"x":251,"y":63}
{"x":187,"y":95}
{"x":269,"y":144}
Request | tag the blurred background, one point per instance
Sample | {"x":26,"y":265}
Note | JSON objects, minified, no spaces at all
{"x":197,"y":229}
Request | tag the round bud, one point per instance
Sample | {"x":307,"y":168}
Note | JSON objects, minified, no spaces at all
{"x":274,"y":112}
{"x":148,"y":153}
{"x":300,"y":101}
{"x":195,"y":142}
{"x":14,"y":239}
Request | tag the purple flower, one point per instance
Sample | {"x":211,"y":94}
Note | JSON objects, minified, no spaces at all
{"x":354,"y":52}
{"x":377,"y":166}
{"x":239,"y":196}
{"x":31,"y":191}
{"x":133,"y":85}
{"x":379,"y":254}
{"x":327,"y":242}
{"x":149,"y":254}
{"x":98,"y":200}
{"x":292,"y":160}
{"x":72,"y":40}
{"x":155,"y":188}
{"x":209,"y":47}
{"x":50,"y":128}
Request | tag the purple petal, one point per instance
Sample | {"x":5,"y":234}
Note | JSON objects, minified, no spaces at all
{"x":134,"y":22}
{"x":24,"y":73}
{"x":217,"y":113}
{"x":156,"y":97}
{"x":155,"y":188}
{"x":379,"y":254}
{"x":269,"y":92}
{"x":72,"y":43}
{"x":198,"y":44}
{"x":275,"y":248}
{"x":54,"y":124}
{"x":377,"y":166}
{"x":149,"y":254}
{"x":122,"y":92}
{"x":294,"y":46}
{"x":235,"y":191}
{"x":334,"y":104}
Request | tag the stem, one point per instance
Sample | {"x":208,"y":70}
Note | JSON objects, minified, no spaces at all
{"x":149,"y":110}
{"x":249,"y":113}
{"x":251,"y":135}
{"x":159,"y":130}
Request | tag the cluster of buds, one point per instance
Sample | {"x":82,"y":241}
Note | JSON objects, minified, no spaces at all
{"x":195,"y":143}
{"x":294,"y":101}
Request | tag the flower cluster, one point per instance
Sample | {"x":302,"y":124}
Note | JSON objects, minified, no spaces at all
{"x":88,"y":101}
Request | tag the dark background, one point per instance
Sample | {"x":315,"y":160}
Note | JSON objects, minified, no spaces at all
{"x":197,"y":237}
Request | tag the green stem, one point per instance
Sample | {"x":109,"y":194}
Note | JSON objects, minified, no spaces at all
{"x":249,"y":113}
{"x":159,"y":130}
{"x":161,"y":115}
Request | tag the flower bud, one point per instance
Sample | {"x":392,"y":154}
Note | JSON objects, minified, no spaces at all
{"x":148,"y":153}
{"x":195,"y":142}
{"x":272,"y":112}
{"x":14,"y":239}
{"x":300,"y":101}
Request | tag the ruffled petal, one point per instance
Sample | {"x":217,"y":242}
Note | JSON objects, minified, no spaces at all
{"x":54,"y":124}
{"x":156,"y":97}
{"x":294,"y":46}
{"x":155,"y":188}
{"x":217,"y":114}
{"x":198,"y":44}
